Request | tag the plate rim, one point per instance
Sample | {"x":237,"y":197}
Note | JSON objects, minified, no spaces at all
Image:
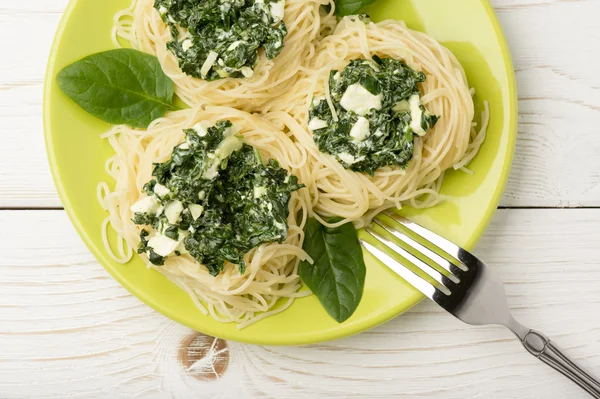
{"x":512,"y":122}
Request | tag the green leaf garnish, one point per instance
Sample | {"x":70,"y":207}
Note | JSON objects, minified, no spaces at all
{"x":122,"y":86}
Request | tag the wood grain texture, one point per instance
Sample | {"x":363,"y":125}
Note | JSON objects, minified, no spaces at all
{"x":551,"y":42}
{"x":21,"y":87}
{"x":559,"y":99}
{"x":68,"y":329}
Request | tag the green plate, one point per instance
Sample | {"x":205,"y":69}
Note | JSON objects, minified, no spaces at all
{"x":77,"y":155}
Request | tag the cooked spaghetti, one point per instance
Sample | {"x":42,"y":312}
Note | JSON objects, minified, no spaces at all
{"x":270,"y":269}
{"x":452,"y":142}
{"x":142,"y":26}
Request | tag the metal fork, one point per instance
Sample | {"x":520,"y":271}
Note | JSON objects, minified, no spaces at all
{"x":463,"y":285}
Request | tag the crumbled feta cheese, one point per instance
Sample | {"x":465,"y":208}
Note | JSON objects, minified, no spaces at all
{"x":223,"y":151}
{"x":277,"y":10}
{"x":247,"y":71}
{"x":230,"y":131}
{"x":162,"y":245}
{"x":211,"y":172}
{"x":233,"y":45}
{"x":415,"y":114}
{"x":173,"y":211}
{"x":358,"y":99}
{"x":199,"y":129}
{"x":259,"y":191}
{"x":317,"y":100}
{"x":180,"y":244}
{"x":208,"y":63}
{"x":196,"y":210}
{"x":161,"y":191}
{"x":316,"y":123}
{"x":145,"y":205}
{"x":347,"y":158}
{"x":186,"y":44}
{"x":360,"y":130}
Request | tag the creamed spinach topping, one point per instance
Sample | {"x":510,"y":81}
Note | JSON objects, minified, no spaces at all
{"x":215,"y":39}
{"x":214,"y":199}
{"x":379,"y":110}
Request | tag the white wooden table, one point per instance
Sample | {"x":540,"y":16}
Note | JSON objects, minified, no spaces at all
{"x":67,"y":329}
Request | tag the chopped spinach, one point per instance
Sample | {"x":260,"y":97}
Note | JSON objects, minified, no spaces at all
{"x":216,"y":200}
{"x":145,"y":218}
{"x":215,"y":39}
{"x":379,"y":111}
{"x":154,"y":258}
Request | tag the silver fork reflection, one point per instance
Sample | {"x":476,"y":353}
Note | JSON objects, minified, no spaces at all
{"x":463,"y":285}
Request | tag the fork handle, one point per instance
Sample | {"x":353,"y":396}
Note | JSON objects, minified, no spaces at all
{"x":548,"y":352}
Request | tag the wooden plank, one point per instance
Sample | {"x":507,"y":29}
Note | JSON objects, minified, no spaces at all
{"x":68,"y":329}
{"x":555,"y":162}
{"x":24,"y":177}
{"x":559,"y":101}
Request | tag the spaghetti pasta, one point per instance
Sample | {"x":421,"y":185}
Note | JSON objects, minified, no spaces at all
{"x":357,"y":197}
{"x":271,"y":271}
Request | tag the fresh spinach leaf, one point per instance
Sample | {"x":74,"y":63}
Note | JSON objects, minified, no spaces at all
{"x":350,"y":7}
{"x":122,"y":86}
{"x":337,"y":275}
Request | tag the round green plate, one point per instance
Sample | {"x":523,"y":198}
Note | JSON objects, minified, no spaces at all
{"x":77,"y":154}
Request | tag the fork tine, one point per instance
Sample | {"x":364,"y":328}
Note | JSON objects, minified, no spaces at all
{"x":461,"y":255}
{"x":445,"y":284}
{"x":414,"y":279}
{"x":450,"y":267}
